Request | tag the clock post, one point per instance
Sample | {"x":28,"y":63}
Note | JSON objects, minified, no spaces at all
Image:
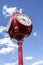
{"x":19,"y":27}
{"x":20,"y":56}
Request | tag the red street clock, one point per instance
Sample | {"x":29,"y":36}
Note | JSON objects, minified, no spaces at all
{"x":19,"y":26}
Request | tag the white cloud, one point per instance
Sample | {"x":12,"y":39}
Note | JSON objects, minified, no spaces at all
{"x":13,"y":63}
{"x":38,"y":63}
{"x":6,"y":50}
{"x":10,"y":64}
{"x":9,"y":11}
{"x":2,"y":28}
{"x":28,"y":58}
{"x":35,"y":34}
{"x":8,"y":42}
{"x":10,"y":46}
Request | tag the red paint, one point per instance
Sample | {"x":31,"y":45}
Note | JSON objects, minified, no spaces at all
{"x":20,"y":57}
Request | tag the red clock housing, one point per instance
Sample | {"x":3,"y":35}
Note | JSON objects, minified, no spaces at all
{"x":16,"y":29}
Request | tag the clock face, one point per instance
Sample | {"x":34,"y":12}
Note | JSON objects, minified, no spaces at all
{"x":23,"y":19}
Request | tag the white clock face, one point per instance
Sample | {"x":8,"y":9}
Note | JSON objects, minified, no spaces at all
{"x":25,"y":20}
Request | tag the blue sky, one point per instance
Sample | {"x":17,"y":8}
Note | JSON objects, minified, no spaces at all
{"x":33,"y":45}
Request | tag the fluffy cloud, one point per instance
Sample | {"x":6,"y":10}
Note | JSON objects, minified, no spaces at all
{"x":28,"y":58}
{"x":35,"y":34}
{"x":8,"y":42}
{"x":38,"y":63}
{"x":9,"y":11}
{"x":6,"y":50}
{"x":2,"y":28}
{"x":10,"y":45}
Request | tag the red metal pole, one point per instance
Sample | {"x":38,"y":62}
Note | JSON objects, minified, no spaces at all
{"x":20,"y":56}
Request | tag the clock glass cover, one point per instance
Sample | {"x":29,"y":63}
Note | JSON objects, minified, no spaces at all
{"x":23,"y":19}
